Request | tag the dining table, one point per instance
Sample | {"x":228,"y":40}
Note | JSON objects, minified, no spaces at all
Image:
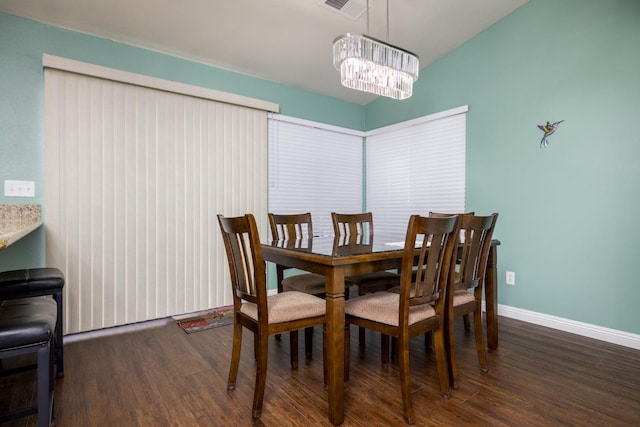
{"x":329,"y":257}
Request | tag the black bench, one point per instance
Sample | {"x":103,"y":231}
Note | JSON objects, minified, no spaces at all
{"x":33,"y":282}
{"x":27,"y":326}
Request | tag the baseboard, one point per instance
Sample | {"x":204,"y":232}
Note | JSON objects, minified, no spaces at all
{"x":579,"y":328}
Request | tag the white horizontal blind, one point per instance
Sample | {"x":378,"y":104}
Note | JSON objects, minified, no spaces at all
{"x":415,"y":168}
{"x":135,"y":178}
{"x":313,"y":169}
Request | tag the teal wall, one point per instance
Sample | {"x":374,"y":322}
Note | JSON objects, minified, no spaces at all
{"x":568,"y":213}
{"x":22,"y":43}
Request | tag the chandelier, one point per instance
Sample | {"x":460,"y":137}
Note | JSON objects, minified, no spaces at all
{"x":371,"y":65}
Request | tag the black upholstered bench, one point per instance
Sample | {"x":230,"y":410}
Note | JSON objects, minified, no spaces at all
{"x":27,"y":326}
{"x":17,"y":284}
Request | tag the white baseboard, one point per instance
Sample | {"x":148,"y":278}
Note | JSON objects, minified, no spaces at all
{"x":579,"y":328}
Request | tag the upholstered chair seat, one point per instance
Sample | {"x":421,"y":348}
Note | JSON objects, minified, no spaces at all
{"x":383,"y":307}
{"x":462,"y":297}
{"x":287,"y":306}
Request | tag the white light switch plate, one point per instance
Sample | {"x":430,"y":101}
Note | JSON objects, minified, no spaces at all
{"x":19,"y":188}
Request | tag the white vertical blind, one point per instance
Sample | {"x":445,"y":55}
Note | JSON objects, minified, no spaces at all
{"x":134,"y":180}
{"x":314,"y":169}
{"x":416,"y":167}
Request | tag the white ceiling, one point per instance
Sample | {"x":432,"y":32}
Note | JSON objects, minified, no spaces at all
{"x":285,"y":41}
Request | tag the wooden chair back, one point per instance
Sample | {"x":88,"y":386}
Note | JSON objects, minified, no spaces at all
{"x":473,"y":251}
{"x":290,"y":226}
{"x":352,"y":244}
{"x":427,"y":262}
{"x":292,"y":231}
{"x":352,"y":224}
{"x":246,"y":264}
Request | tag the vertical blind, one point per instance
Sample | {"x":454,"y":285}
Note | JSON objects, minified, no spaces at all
{"x":416,"y":167}
{"x":314,"y":168}
{"x":134,"y":180}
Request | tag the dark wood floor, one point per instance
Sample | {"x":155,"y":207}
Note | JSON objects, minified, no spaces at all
{"x":161,"y":376}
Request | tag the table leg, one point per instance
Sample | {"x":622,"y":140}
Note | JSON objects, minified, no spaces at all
{"x":491,"y":297}
{"x":335,"y":345}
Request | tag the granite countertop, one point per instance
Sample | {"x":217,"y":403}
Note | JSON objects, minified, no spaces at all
{"x":16,"y":221}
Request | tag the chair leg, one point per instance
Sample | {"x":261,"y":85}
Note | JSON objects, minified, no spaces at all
{"x":362,"y":336}
{"x":308,"y":342}
{"x":428,"y":339}
{"x":452,"y":367}
{"x":58,"y":347}
{"x":394,"y":349}
{"x":467,"y":323}
{"x":261,"y":373}
{"x":235,"y":356}
{"x":44,"y":384}
{"x":405,"y":380}
{"x":441,"y":362}
{"x":293,"y":339}
{"x":255,"y":346}
{"x":479,"y":336}
{"x":384,"y":350}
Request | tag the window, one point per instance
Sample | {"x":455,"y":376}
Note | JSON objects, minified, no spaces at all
{"x":314,"y":168}
{"x":416,"y":167}
{"x":412,"y":167}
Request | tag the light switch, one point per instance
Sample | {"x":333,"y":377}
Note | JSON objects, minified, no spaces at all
{"x":19,"y":188}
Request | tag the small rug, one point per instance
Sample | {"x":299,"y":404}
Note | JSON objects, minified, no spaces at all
{"x":211,"y":319}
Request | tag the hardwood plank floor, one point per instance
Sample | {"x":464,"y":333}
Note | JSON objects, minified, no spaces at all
{"x":160,"y":376}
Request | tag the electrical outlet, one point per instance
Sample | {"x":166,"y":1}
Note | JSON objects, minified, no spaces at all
{"x":511,"y":278}
{"x":19,"y":188}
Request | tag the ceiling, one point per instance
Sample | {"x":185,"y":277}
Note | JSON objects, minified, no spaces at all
{"x":284,"y":41}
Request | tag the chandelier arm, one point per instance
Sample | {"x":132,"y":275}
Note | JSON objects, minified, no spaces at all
{"x":388,"y":39}
{"x":368,"y":17}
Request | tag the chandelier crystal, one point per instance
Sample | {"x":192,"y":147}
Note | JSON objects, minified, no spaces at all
{"x":370,"y":65}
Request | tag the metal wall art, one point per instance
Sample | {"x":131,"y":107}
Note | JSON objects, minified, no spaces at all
{"x":548,"y":129}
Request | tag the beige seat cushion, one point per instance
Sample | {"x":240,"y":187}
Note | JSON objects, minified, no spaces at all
{"x":383,"y":307}
{"x":288,"y":306}
{"x":462,"y":297}
{"x":309,"y":283}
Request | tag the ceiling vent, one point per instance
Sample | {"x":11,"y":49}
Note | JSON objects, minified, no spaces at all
{"x":350,"y":8}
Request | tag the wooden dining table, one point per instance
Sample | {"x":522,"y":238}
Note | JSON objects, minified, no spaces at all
{"x":324,"y":255}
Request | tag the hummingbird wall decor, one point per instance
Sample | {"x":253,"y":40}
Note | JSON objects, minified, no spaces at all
{"x":548,"y":130}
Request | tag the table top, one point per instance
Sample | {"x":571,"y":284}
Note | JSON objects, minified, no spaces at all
{"x":334,"y":251}
{"x":342,"y":246}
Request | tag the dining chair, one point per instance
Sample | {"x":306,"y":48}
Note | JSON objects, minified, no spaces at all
{"x":294,"y":228}
{"x":441,"y":215}
{"x":253,"y":309}
{"x":465,"y":296}
{"x":428,"y":336}
{"x":420,"y":305}
{"x":361,"y":225}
